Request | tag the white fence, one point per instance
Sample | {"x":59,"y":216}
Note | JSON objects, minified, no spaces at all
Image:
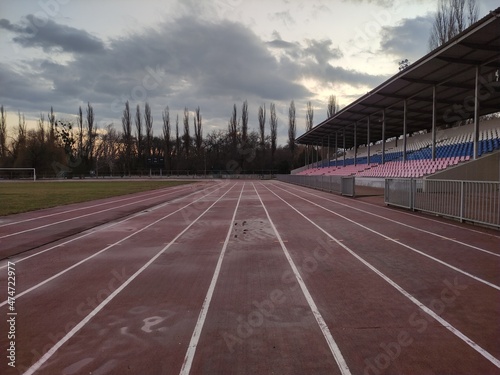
{"x":333,"y":184}
{"x":473,"y":201}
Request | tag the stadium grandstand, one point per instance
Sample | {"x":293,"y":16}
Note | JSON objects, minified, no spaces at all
{"x":453,"y":146}
{"x":424,"y":120}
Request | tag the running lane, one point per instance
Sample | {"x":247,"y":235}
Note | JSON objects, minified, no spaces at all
{"x":401,"y":312}
{"x":92,"y":317}
{"x":260,"y":321}
{"x":23,"y":232}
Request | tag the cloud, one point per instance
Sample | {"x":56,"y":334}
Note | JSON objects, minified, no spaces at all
{"x":388,"y":3}
{"x":408,"y":39}
{"x":314,"y":60}
{"x":187,"y":62}
{"x":50,"y":36}
{"x":284,"y":17}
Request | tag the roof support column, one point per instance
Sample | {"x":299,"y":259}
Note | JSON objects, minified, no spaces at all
{"x":405,"y":130}
{"x":328,"y":156}
{"x":336,"y":147}
{"x":433,"y":123}
{"x":355,"y":143}
{"x":476,"y":116}
{"x":383,"y":136}
{"x":368,"y":138}
{"x":323,"y":157}
{"x":305,"y":155}
{"x":344,"y":148}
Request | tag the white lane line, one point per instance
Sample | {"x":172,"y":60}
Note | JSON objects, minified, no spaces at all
{"x":424,"y":308}
{"x":98,"y":308}
{"x":18,"y":295}
{"x":79,"y":217}
{"x":415,"y":216}
{"x":399,"y":222}
{"x":193,"y":343}
{"x":344,"y":369}
{"x":104,"y":227}
{"x":400,"y":243}
{"x":84,"y":208}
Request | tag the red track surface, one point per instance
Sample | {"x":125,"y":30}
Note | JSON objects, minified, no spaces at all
{"x":248,"y":278}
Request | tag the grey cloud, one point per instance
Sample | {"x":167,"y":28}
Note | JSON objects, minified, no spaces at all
{"x":409,"y":39}
{"x":284,"y":17}
{"x":322,"y":50}
{"x":185,"y":62}
{"x":388,"y":3}
{"x":49,"y":35}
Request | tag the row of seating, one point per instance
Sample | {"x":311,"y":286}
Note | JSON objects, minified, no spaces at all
{"x":453,"y":146}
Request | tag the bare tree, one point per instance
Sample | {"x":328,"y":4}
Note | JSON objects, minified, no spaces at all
{"x":91,"y":134}
{"x":233,"y":126}
{"x":148,"y":121}
{"x":19,"y":145}
{"x":309,"y":116}
{"x":3,"y":133}
{"x":333,"y":106}
{"x":166,"y":136}
{"x":138,"y":131}
{"x":244,"y":122}
{"x":292,"y":129}
{"x":41,"y":129}
{"x":79,"y":121}
{"x":127,"y":135}
{"x":310,"y":119}
{"x":274,"y":131}
{"x":52,"y":122}
{"x":262,"y":125}
{"x":452,"y":17}
{"x":107,"y":149}
{"x":186,"y":137}
{"x":198,"y":131}
{"x":177,"y":139}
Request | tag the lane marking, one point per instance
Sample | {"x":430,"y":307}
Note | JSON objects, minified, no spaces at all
{"x":106,"y":226}
{"x":428,"y":311}
{"x":78,"y":217}
{"x":408,"y":214}
{"x":84,"y":208}
{"x":98,"y":308}
{"x":117,"y":243}
{"x":399,"y":243}
{"x":344,"y":369}
{"x":193,"y":343}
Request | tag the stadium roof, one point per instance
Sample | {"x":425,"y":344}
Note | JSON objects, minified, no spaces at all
{"x":450,"y":69}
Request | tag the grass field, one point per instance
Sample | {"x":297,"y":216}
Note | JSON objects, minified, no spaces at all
{"x":16,"y":197}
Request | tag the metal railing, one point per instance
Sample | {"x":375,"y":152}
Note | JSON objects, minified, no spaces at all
{"x":334,"y":184}
{"x":473,"y":201}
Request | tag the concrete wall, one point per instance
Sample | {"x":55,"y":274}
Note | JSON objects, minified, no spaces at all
{"x":486,"y":168}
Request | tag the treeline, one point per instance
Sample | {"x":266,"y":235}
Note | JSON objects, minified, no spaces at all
{"x":58,"y":147}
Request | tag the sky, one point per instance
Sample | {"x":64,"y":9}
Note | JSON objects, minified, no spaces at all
{"x":210,"y":54}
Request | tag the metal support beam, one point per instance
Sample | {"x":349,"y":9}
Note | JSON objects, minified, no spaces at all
{"x":404,"y":131}
{"x":336,"y":147}
{"x":383,"y":136}
{"x":355,"y":143}
{"x":433,"y":123}
{"x":343,"y":147}
{"x":476,"y":115}
{"x":328,"y":149}
{"x":322,"y":152}
{"x":368,"y":138}
{"x":305,"y":155}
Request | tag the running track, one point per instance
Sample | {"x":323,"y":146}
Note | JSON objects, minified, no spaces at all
{"x":248,"y":278}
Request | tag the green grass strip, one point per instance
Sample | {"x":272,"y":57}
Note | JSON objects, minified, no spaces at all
{"x":17,"y":197}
